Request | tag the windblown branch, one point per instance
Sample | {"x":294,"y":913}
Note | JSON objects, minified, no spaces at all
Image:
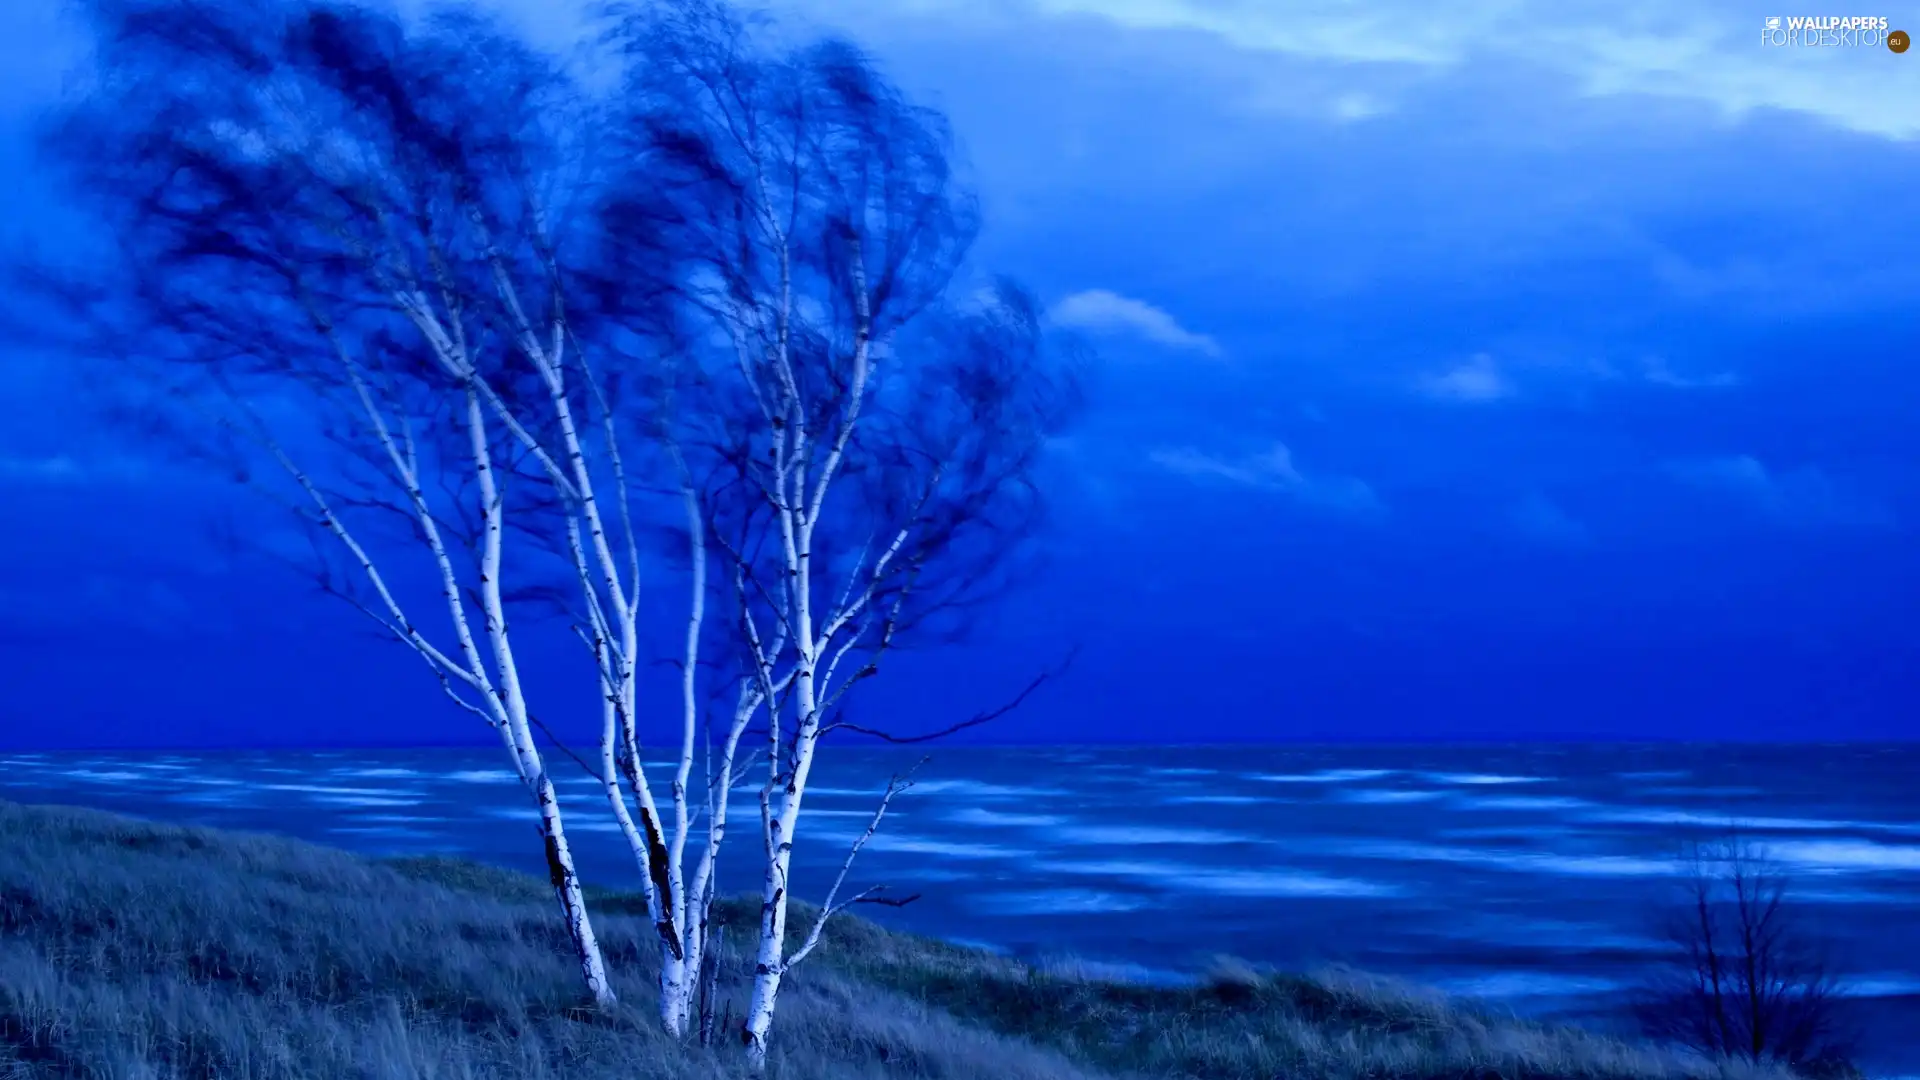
{"x":977,"y":719}
{"x":828,"y":908}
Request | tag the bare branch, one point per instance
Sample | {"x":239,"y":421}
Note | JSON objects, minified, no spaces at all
{"x":977,"y":719}
{"x":828,"y":908}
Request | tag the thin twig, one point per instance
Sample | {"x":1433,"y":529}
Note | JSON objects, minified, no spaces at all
{"x":828,"y":909}
{"x":975,"y":720}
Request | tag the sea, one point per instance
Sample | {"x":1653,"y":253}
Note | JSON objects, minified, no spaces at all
{"x":1533,"y":877}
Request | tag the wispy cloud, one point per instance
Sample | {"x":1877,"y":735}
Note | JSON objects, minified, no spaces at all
{"x":1656,"y":370}
{"x":1273,"y":469}
{"x":52,"y":469}
{"x":1803,"y":496}
{"x":93,"y":602}
{"x":65,"y":469}
{"x":1108,"y":312}
{"x":1538,"y":518}
{"x":1626,"y":48}
{"x":1351,"y":108}
{"x":1476,"y":379}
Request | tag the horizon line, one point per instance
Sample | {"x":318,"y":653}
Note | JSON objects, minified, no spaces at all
{"x":1349,"y":742}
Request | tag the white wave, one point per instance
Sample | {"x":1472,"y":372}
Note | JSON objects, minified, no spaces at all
{"x":1222,"y":800}
{"x":1057,"y":902}
{"x":912,"y":845}
{"x":1851,"y":896}
{"x":398,"y":831}
{"x":110,"y":776}
{"x":1520,"y":984}
{"x":1482,"y":779}
{"x":378,"y":773}
{"x":1283,"y":883}
{"x":1131,"y":835}
{"x":1183,"y":772}
{"x":1586,"y":865}
{"x":1537,"y":862}
{"x":1660,"y":816}
{"x":1893,"y":984}
{"x":1374,"y":795}
{"x":1845,"y":855}
{"x":364,"y":800}
{"x":592,"y":825}
{"x":323,"y":789}
{"x":1276,"y":883}
{"x":1324,"y":776}
{"x":975,"y":815}
{"x":978,"y":945}
{"x":980,"y":789}
{"x":1506,"y":832}
{"x":1524,"y":802}
{"x":482,"y":776}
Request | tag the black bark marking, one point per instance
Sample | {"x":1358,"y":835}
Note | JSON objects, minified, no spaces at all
{"x":662,"y":885}
{"x":556,"y":869}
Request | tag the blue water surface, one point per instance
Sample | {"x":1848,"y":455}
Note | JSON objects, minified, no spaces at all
{"x":1533,"y":876}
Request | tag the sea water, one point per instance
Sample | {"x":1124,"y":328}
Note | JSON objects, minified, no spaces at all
{"x":1530,"y":876}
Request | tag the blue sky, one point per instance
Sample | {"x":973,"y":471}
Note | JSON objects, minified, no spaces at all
{"x":1528,"y":370}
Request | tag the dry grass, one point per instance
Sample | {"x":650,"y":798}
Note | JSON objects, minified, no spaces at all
{"x":152,"y":952}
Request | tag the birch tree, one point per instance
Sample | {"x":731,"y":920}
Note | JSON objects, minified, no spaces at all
{"x":336,"y":245}
{"x":344,"y":243}
{"x":861,"y":442}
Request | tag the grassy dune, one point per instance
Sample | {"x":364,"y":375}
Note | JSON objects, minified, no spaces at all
{"x":130,"y":949}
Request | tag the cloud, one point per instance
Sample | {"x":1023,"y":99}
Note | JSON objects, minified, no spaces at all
{"x":65,"y":469}
{"x":1626,"y":48}
{"x":1537,"y":518}
{"x":1273,"y":470}
{"x":1477,"y":379}
{"x":1350,"y":108}
{"x":56,"y":469}
{"x":1109,"y":312}
{"x":43,"y":604}
{"x":1655,"y":370}
{"x":1805,"y":496}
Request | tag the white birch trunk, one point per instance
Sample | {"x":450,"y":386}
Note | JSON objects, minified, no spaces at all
{"x":679,"y":979}
{"x":798,"y":511}
{"x":613,"y":609}
{"x":770,"y":961}
{"x":519,"y":734}
{"x":566,"y":888}
{"x":503,"y":703}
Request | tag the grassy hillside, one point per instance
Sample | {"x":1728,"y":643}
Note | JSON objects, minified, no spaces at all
{"x":136,"y":950}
